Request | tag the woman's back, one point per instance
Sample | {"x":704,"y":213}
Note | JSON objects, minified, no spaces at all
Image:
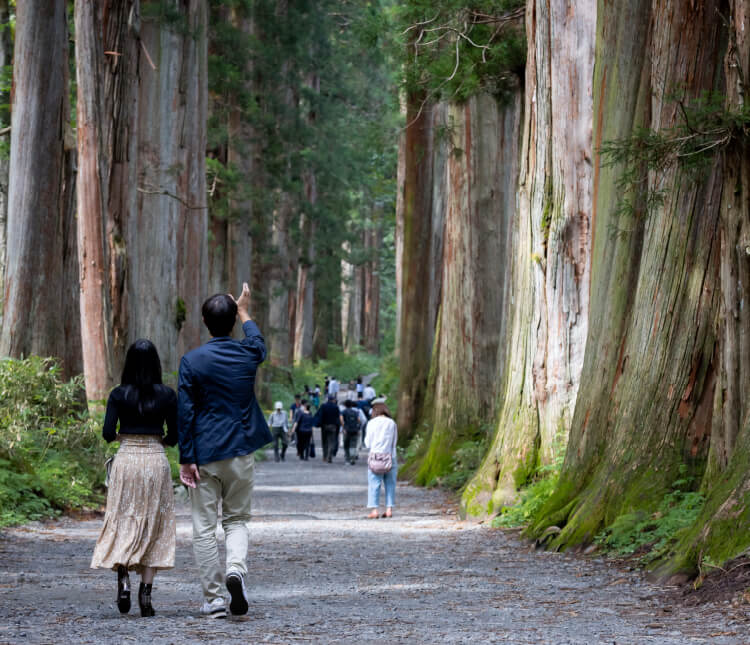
{"x":382,"y":435}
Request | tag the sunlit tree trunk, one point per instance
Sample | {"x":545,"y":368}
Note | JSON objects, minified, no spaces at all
{"x":34,"y":290}
{"x":542,"y":345}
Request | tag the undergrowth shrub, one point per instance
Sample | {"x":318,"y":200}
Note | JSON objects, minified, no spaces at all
{"x":654,"y":533}
{"x":466,"y":459}
{"x":541,"y":484}
{"x":51,"y":450}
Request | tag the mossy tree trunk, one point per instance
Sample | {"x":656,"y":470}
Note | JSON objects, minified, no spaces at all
{"x":542,"y":344}
{"x":720,"y":532}
{"x":647,"y":386}
{"x":478,"y":172}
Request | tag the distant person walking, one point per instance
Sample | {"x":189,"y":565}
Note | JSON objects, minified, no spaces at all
{"x":333,"y":387}
{"x":382,"y":468}
{"x":278,"y":424}
{"x":316,"y":397}
{"x":360,"y":387}
{"x":353,"y":421}
{"x":220,"y":426}
{"x":328,"y":419}
{"x":368,"y":394}
{"x":303,"y":426}
{"x":139,"y":526}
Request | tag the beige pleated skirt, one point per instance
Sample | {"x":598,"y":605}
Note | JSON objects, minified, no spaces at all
{"x":139,"y":525}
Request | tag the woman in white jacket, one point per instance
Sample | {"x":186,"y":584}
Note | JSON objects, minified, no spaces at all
{"x":381,"y":438}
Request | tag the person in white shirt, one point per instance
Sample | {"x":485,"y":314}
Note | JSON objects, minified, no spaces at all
{"x":279,"y":427}
{"x":381,"y":438}
{"x":333,"y":387}
{"x":369,"y":393}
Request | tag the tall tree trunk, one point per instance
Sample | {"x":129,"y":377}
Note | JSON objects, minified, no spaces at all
{"x":34,"y":291}
{"x":399,"y":237}
{"x":107,"y":117}
{"x":171,"y":186}
{"x":720,"y":532}
{"x":352,"y":283}
{"x":371,"y":298}
{"x":304,"y":321}
{"x":241,"y":153}
{"x":6,"y":57}
{"x":419,"y":282}
{"x":647,"y":385}
{"x":542,"y":347}
{"x":481,"y":155}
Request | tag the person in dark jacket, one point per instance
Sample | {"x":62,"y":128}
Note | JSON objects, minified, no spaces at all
{"x":220,"y":426}
{"x":139,"y":531}
{"x":304,"y":429}
{"x":328,"y":419}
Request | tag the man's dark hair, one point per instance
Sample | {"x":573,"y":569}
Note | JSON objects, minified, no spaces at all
{"x":297,"y":396}
{"x":219,"y":314}
{"x":348,"y":403}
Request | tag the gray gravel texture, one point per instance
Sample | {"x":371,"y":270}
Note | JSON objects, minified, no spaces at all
{"x":322,"y":573}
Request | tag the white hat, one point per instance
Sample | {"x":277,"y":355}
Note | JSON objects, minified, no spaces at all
{"x":380,"y":399}
{"x":278,"y":405}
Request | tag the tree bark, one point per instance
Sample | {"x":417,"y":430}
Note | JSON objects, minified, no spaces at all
{"x":106,"y":116}
{"x":480,"y":155}
{"x":420,"y":284}
{"x":543,"y":343}
{"x":34,"y":292}
{"x":644,"y":406}
{"x":6,"y":58}
{"x":371,"y":287}
{"x":171,"y":186}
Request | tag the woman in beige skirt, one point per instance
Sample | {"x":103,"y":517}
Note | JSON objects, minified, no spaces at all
{"x":139,"y":525}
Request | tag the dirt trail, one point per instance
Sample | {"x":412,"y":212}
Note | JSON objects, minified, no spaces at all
{"x":321,"y":573}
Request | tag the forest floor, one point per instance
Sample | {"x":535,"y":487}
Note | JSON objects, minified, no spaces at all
{"x":321,"y":573}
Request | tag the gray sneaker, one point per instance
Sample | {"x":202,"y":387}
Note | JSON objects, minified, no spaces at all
{"x":238,"y":596}
{"x":215,"y":609}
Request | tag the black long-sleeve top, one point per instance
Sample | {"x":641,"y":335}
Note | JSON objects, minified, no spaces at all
{"x":328,"y":414}
{"x":122,"y":405}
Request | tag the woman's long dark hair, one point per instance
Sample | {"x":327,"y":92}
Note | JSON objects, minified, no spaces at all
{"x":141,"y":373}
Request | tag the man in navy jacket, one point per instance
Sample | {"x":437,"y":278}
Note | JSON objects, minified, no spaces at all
{"x":220,"y":425}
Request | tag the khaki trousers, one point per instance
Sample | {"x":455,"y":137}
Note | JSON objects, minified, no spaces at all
{"x":231,"y":481}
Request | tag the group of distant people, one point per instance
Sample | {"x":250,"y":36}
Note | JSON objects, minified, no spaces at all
{"x":334,"y":416}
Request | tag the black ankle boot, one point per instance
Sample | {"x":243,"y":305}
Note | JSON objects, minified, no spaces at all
{"x":144,"y":600}
{"x":123,"y":590}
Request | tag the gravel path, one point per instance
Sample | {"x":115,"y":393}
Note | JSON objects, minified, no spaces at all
{"x":321,"y":573}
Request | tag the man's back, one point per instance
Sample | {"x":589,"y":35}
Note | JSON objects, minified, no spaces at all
{"x":219,"y":415}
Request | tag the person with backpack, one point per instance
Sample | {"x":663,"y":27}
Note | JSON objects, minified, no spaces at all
{"x":353,"y":421}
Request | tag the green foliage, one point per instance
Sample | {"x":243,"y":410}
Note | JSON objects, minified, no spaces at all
{"x":705,"y":127}
{"x":180,"y":313}
{"x":454,"y":49}
{"x":51,"y":451}
{"x":654,"y":533}
{"x":466,"y":459}
{"x":531,"y":501}
{"x":313,"y":85}
{"x":539,"y":482}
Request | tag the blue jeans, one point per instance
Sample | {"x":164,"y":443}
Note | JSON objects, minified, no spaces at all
{"x":373,"y":487}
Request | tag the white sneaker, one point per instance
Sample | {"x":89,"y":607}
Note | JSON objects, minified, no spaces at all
{"x":215,"y":609}
{"x":238,"y":604}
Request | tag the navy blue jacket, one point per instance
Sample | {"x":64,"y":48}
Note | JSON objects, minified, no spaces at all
{"x":218,"y":415}
{"x":327,"y":414}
